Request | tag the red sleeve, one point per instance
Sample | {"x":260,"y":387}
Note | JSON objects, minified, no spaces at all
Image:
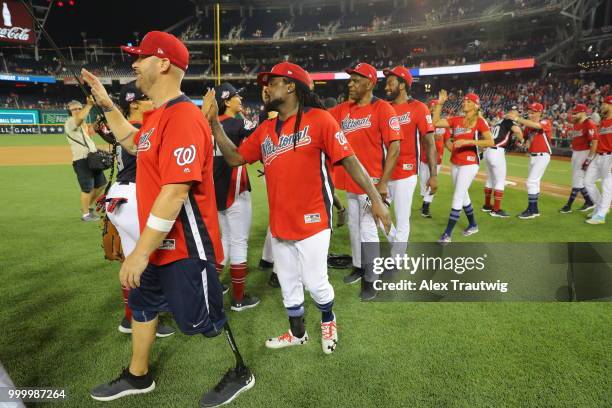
{"x":454,"y":121}
{"x":250,"y":148}
{"x":424,"y":124}
{"x":591,"y":131}
{"x":482,"y":125}
{"x":186,"y":144}
{"x":334,"y":143}
{"x":388,"y":123}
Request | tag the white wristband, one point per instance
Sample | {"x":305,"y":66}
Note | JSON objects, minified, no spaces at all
{"x":159,"y":224}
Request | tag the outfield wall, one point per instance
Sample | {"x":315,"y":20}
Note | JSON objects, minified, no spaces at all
{"x":34,"y":121}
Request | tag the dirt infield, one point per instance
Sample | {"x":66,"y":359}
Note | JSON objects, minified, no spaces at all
{"x":44,"y":155}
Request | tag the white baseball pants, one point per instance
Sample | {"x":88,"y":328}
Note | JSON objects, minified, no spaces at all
{"x":462,"y":179}
{"x":496,"y":168}
{"x":537,"y":167}
{"x":600,"y":168}
{"x":303,"y":265}
{"x":400,"y":194}
{"x":423,"y":178}
{"x":125,"y":216}
{"x":235,"y":223}
{"x":578,"y":158}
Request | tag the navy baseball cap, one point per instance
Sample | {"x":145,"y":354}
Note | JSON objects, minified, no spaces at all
{"x":225,"y":92}
{"x":128,"y":94}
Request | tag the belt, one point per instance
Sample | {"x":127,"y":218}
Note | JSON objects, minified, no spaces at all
{"x":124,"y":183}
{"x":497,"y":147}
{"x":605,"y":153}
{"x":537,"y":154}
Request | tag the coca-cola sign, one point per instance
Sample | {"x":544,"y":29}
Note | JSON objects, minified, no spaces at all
{"x":16,"y":24}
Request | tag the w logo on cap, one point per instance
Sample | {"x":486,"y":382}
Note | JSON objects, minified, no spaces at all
{"x":160,"y":51}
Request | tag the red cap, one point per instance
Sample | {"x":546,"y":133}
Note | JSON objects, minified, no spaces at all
{"x":536,"y":107}
{"x":400,"y":72}
{"x":289,"y":70}
{"x":608,"y":100}
{"x":472,"y":97}
{"x":433,"y":102}
{"x":365,"y":70}
{"x":580,"y":107}
{"x":162,"y":45}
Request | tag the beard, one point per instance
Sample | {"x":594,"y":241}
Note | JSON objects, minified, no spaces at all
{"x":272,"y":105}
{"x":393,"y":95}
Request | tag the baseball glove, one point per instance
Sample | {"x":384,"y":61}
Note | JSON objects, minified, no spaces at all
{"x":111,"y":242}
{"x":337,"y":261}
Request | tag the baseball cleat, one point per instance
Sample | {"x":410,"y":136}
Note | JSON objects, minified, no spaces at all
{"x":586,"y":207}
{"x":566,"y":209}
{"x":425,"y":214}
{"x":225,"y":288}
{"x":273,"y":281}
{"x":444,"y":239}
{"x":329,"y":336}
{"x":471,"y":230}
{"x":527,"y":215}
{"x":286,"y":339}
{"x":499,"y":213}
{"x":354,"y":277}
{"x":263,"y":264}
{"x":124,"y":385}
{"x":596,"y":220}
{"x":247,"y":302}
{"x":367,"y":290}
{"x":162,"y":330}
{"x":89,"y":217}
{"x":234,"y":382}
{"x":486,"y":208}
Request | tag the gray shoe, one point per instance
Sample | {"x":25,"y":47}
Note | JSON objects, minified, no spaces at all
{"x":89,"y":217}
{"x":124,"y":385}
{"x":233,"y":383}
{"x":247,"y":302}
{"x":354,"y":276}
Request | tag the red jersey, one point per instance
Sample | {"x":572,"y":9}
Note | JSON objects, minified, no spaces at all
{"x":441,"y":136}
{"x":415,"y":122}
{"x":467,"y":154}
{"x":540,"y":138}
{"x":300,"y":189}
{"x":605,"y":136}
{"x":369,"y":129}
{"x":175,"y":145}
{"x":582,"y":134}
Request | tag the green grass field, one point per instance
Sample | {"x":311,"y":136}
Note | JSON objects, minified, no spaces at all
{"x":60,"y":306}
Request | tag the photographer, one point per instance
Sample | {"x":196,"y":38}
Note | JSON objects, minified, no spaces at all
{"x":91,"y":182}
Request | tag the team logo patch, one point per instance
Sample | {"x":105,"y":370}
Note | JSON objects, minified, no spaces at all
{"x":270,"y":151}
{"x":185,"y":155}
{"x":471,"y":158}
{"x":341,"y":138}
{"x":168,"y":245}
{"x":440,"y":131}
{"x":349,"y":124}
{"x":407,"y":166}
{"x":143,"y":143}
{"x":404,"y":119}
{"x":225,"y":94}
{"x":312,"y":218}
{"x":428,"y":119}
{"x":394,"y":124}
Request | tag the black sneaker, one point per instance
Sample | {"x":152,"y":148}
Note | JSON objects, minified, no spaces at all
{"x":234,"y":382}
{"x":566,"y":209}
{"x":425,"y":213}
{"x":125,"y":326}
{"x":487,"y":208}
{"x":247,"y":302}
{"x":499,"y":213}
{"x":354,"y":276}
{"x":124,"y":385}
{"x":367,"y":290}
{"x":263,"y":264}
{"x":164,"y":331}
{"x":586,"y":207}
{"x":273,"y":281}
{"x":225,"y":288}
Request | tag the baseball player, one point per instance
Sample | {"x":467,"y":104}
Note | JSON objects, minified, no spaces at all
{"x":267,"y":259}
{"x":417,"y":130}
{"x":442,"y":141}
{"x":470,"y":132}
{"x":601,"y":166}
{"x":584,"y":146}
{"x":232,"y":190}
{"x":373,"y":131}
{"x":298,"y":149}
{"x":121,"y":207}
{"x":538,"y":134}
{"x":172,"y":267}
{"x":495,"y":158}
